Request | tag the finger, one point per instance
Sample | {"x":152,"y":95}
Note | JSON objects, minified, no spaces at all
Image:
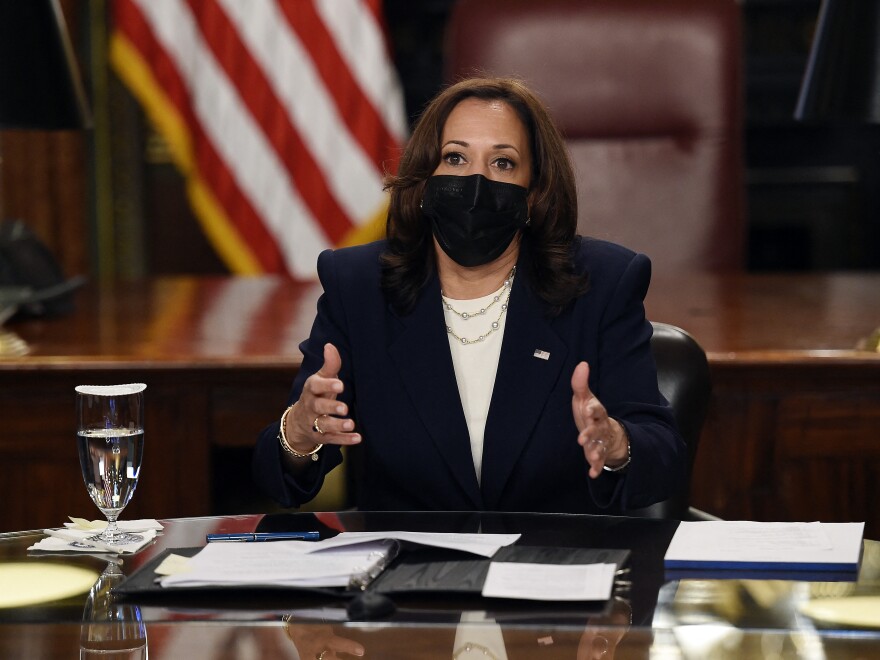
{"x":332,"y":362}
{"x":580,"y":381}
{"x":334,"y":431}
{"x":337,"y":438}
{"x":581,"y":394}
{"x":595,"y":411}
{"x":345,"y":645}
{"x":595,"y":452}
{"x":319,"y":386}
{"x":325,"y":406}
{"x":596,"y":468}
{"x":597,"y":465}
{"x":325,"y":381}
{"x":332,"y":425}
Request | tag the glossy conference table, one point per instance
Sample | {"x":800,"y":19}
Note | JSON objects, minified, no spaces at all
{"x":649,"y":617}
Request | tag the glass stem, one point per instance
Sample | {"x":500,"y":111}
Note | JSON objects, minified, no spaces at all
{"x":112,"y":529}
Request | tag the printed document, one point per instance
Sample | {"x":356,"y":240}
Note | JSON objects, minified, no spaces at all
{"x":807,"y":546}
{"x":333,"y":562}
{"x":553,"y":582}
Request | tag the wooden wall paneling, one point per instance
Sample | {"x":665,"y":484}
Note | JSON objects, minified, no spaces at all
{"x":45,"y":177}
{"x":69,"y":192}
{"x":12,"y":174}
{"x":25,"y":175}
{"x":44,"y":184}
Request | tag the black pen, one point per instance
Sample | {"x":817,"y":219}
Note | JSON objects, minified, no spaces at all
{"x":247,"y":537}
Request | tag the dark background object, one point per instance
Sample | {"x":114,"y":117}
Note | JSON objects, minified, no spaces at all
{"x":40,"y":85}
{"x":842,"y":79}
{"x":31,"y":280}
{"x":812,"y":189}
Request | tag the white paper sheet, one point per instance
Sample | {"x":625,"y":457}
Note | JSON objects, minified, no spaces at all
{"x":782,"y":543}
{"x":278,"y":563}
{"x":484,"y":545}
{"x":328,"y":563}
{"x":70,"y":539}
{"x":551,"y":582}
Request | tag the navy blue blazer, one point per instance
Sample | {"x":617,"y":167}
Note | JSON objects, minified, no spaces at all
{"x":401,"y":389}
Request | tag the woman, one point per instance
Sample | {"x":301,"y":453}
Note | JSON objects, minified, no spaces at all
{"x":483,"y":356}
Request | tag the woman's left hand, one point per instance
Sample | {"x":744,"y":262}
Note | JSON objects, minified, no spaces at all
{"x":603,"y":438}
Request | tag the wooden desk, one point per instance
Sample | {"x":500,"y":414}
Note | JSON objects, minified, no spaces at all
{"x":218,"y":356}
{"x":792,"y":431}
{"x":791,"y":434}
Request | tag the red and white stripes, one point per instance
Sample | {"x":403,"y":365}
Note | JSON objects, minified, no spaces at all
{"x":282,"y":114}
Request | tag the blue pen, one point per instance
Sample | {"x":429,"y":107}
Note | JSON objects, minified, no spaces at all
{"x":247,"y":537}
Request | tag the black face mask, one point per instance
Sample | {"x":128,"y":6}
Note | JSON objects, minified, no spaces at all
{"x":474,"y":219}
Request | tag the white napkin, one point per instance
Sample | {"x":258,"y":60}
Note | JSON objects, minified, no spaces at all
{"x":76,"y":536}
{"x":141,"y":525}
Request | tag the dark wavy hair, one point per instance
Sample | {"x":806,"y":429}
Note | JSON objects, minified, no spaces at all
{"x":547,"y":243}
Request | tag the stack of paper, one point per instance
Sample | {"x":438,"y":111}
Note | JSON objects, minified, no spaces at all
{"x":346,"y":559}
{"x":279,"y":563}
{"x":766,"y":546}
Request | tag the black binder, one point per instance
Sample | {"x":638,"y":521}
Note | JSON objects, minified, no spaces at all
{"x":434,"y":570}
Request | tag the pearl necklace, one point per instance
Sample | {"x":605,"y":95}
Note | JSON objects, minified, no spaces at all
{"x":466,"y":316}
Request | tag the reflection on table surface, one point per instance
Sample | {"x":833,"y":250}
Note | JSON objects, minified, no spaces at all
{"x":649,"y":617}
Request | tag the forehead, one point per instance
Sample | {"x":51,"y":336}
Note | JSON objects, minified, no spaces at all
{"x":491,"y":119}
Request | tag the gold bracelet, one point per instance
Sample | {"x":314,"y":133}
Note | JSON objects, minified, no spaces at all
{"x":285,"y":445}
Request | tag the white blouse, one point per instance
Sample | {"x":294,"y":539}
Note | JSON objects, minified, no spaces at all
{"x":476,"y":364}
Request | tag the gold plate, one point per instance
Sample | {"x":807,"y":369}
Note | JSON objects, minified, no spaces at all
{"x":33,"y":583}
{"x":854,"y":612}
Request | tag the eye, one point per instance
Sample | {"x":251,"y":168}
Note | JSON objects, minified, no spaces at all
{"x":453,"y":158}
{"x":504,"y":164}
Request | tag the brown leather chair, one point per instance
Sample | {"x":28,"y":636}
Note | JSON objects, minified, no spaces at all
{"x":648,"y":95}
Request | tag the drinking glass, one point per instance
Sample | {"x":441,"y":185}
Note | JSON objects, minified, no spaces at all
{"x":110,"y":439}
{"x":111,"y":630}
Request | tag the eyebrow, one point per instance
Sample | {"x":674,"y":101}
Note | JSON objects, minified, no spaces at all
{"x":462,"y":143}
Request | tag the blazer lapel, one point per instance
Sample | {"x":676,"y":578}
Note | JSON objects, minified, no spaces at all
{"x":420,"y":352}
{"x":522,"y":385}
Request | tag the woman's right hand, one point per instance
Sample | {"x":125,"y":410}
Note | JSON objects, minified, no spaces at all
{"x":318,"y":402}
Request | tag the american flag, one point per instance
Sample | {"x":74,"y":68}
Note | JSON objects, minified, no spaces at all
{"x":283,"y":116}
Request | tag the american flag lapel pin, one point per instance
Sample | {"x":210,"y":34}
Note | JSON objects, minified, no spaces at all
{"x":541,"y":355}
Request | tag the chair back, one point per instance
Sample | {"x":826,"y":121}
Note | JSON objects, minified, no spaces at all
{"x":683,"y":378}
{"x":648,"y":96}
